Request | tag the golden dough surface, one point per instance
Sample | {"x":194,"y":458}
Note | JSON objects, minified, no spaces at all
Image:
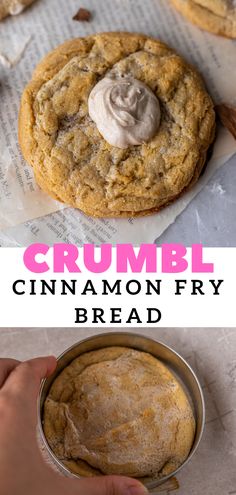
{"x":118,"y":411}
{"x":71,"y":160}
{"x":216,"y":16}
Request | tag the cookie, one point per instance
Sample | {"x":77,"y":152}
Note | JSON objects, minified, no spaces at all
{"x":119,"y":411}
{"x":114,"y":85}
{"x":13,"y":7}
{"x":216,"y":16}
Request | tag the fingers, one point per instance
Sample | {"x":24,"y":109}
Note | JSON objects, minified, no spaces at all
{"x":6,"y":367}
{"x":25,"y":379}
{"x":104,"y":485}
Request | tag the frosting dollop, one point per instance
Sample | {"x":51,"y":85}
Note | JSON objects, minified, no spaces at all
{"x":125,"y":110}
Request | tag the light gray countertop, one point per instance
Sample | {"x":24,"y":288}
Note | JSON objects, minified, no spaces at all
{"x":211,"y":353}
{"x":210,"y":218}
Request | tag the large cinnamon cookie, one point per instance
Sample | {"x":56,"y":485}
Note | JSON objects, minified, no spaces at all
{"x":116,"y":124}
{"x":13,"y":7}
{"x":119,"y":411}
{"x":216,"y":16}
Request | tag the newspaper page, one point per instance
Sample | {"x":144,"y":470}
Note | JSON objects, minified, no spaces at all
{"x":26,"y":213}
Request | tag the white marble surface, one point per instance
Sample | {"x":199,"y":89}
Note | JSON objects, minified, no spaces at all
{"x":210,"y":217}
{"x":212,"y":354}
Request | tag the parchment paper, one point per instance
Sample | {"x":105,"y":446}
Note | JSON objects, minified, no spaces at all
{"x":39,"y":29}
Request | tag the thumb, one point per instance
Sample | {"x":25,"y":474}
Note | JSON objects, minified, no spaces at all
{"x":24,"y":381}
{"x":22,"y":387}
{"x":106,"y":485}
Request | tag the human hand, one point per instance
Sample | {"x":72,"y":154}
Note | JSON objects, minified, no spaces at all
{"x":22,"y":468}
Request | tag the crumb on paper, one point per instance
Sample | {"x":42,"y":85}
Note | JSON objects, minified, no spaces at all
{"x":217,"y":189}
{"x":83,"y":15}
{"x":227,"y":115}
{"x":7,"y":62}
